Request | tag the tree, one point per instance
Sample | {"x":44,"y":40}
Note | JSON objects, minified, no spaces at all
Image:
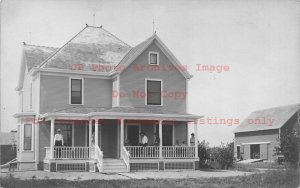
{"x":289,"y":145}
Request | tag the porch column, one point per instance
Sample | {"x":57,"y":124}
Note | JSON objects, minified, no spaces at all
{"x":90,"y":133}
{"x":160,"y":138}
{"x":52,"y":139}
{"x":196,"y":139}
{"x":96,"y":133}
{"x":121,"y":136}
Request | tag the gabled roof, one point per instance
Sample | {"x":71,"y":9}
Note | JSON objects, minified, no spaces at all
{"x":92,"y":45}
{"x":33,"y":56}
{"x":279,"y":115}
{"x":137,"y":50}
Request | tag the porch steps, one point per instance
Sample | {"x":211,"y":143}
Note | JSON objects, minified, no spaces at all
{"x":114,"y":165}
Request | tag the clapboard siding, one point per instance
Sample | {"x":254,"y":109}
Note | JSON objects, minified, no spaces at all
{"x":54,"y":93}
{"x":132,"y":80}
{"x":271,"y":136}
{"x":44,"y":139}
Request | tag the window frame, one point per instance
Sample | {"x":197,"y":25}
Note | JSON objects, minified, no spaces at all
{"x":146,"y":91}
{"x":70,"y":90}
{"x":31,"y":137}
{"x":149,"y":58}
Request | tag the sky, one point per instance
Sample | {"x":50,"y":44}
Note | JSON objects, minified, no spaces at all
{"x":258,"y":40}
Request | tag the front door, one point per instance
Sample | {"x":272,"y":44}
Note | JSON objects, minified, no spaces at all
{"x":109,"y":139}
{"x":167,"y":134}
{"x":133,"y":134}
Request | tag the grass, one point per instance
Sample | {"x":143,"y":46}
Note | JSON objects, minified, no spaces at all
{"x":253,"y":167}
{"x":274,"y":178}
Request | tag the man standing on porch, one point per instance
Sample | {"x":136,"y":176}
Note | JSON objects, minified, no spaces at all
{"x":144,"y":139}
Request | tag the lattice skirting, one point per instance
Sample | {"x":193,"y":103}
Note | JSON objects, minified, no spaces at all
{"x":70,"y":167}
{"x":179,"y":165}
{"x":162,"y":165}
{"x":143,"y":166}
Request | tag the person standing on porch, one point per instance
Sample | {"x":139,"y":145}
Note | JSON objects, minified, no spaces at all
{"x":192,"y":140}
{"x":144,"y":139}
{"x":58,"y":141}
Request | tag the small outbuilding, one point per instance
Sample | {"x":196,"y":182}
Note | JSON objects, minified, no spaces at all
{"x":258,"y":135}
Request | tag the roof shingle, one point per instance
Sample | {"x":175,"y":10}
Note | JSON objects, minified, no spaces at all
{"x":278,"y":115}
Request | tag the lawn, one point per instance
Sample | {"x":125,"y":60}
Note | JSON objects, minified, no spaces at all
{"x":272,"y":179}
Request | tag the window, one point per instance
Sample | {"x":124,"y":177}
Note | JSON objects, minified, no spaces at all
{"x":153,"y":95}
{"x":153,"y":58}
{"x":27,"y":136}
{"x":76,"y":91}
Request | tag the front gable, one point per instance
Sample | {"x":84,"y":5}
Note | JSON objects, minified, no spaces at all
{"x":132,"y":81}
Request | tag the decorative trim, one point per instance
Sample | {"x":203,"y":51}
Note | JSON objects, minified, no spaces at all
{"x":250,"y":143}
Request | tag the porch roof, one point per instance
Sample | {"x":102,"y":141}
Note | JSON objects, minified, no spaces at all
{"x":87,"y":113}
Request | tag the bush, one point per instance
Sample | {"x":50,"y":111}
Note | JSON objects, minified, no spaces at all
{"x":223,"y":155}
{"x":203,"y":154}
{"x":288,"y":146}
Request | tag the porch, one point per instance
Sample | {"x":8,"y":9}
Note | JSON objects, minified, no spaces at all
{"x":135,"y":158}
{"x":105,"y":139}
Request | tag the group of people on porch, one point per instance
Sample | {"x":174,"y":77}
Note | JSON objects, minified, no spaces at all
{"x":144,"y":140}
{"x":59,"y":140}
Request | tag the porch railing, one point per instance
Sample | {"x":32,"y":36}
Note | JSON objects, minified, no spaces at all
{"x":69,"y":152}
{"x":125,"y":157}
{"x":143,"y":151}
{"x":167,"y":151}
{"x":178,"y":152}
{"x":99,"y":158}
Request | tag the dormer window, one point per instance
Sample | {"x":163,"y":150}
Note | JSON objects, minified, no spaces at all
{"x":76,"y":91}
{"x":153,"y":58}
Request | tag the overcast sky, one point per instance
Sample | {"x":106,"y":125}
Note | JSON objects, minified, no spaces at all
{"x":257,"y":39}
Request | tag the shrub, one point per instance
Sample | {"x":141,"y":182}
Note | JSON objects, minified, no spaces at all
{"x":223,"y":155}
{"x":288,"y":146}
{"x":203,"y":154}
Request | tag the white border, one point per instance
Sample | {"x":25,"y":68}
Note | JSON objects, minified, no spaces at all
{"x":161,"y":91}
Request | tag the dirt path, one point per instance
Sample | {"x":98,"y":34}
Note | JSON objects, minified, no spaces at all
{"x":78,"y":176}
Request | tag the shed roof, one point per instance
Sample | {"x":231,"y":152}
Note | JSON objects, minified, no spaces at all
{"x":278,"y":115}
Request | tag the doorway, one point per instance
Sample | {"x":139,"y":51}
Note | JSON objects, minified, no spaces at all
{"x":133,"y":132}
{"x":255,"y":151}
{"x":109,"y":139}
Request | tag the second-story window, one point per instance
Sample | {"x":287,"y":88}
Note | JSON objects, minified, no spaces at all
{"x":153,"y":58}
{"x":153,"y":96}
{"x":76,"y":91}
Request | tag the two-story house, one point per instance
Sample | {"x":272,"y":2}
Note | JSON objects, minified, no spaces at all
{"x":102,"y":93}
